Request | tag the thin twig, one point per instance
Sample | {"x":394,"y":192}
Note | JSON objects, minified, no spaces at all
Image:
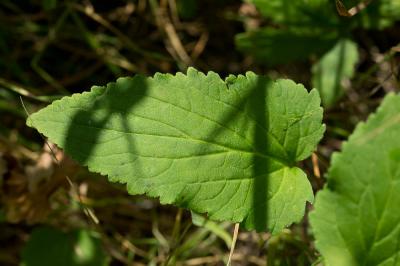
{"x":24,"y":91}
{"x":176,"y":42}
{"x":235,"y":235}
{"x":342,"y":10}
{"x":165,"y":25}
{"x":200,"y":46}
{"x":90,"y":12}
{"x":174,"y":11}
{"x":317,"y":172}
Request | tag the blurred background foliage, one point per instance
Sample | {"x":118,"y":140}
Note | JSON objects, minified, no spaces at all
{"x":51,"y":209}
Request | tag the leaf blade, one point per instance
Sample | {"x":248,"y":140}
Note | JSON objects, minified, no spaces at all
{"x":355,"y":220}
{"x":335,"y":67}
{"x":193,"y":140}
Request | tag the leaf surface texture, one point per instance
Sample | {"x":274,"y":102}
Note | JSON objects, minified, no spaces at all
{"x":356,"y":220}
{"x":228,"y":148}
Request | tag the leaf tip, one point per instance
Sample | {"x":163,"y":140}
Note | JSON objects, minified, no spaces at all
{"x":29,"y":121}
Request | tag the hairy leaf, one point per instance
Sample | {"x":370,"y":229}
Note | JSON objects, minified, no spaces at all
{"x":335,"y":67}
{"x":227,"y":148}
{"x":356,"y":218}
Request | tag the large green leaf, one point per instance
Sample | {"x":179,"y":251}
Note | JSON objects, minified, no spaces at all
{"x":335,"y":67}
{"x":49,"y":246}
{"x":227,"y":148}
{"x":357,"y":215}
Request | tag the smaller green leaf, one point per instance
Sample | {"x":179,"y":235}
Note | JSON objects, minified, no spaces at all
{"x":356,"y":218}
{"x":335,"y":67}
{"x":274,"y":46}
{"x":297,"y":13}
{"x":323,"y":13}
{"x":377,"y":15}
{"x":49,"y":246}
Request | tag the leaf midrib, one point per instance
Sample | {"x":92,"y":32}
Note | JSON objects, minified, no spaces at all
{"x":263,"y":155}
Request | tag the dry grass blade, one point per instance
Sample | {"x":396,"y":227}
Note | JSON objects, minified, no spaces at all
{"x":235,"y":235}
{"x":165,"y":25}
{"x":89,"y":11}
{"x":317,"y":172}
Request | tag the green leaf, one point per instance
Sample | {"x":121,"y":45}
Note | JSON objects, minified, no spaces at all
{"x":310,"y":13}
{"x":228,"y":148}
{"x":323,"y":14}
{"x":377,"y":15}
{"x":274,"y":46}
{"x":48,"y":247}
{"x":334,"y":68}
{"x":356,"y":218}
